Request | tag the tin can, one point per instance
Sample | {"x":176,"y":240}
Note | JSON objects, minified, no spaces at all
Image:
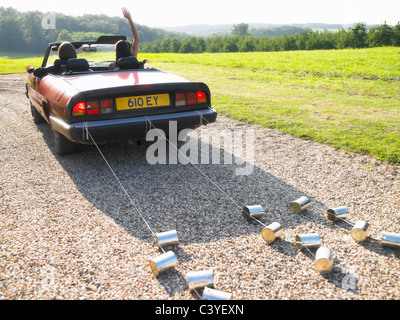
{"x":167,"y":239}
{"x":271,"y":232}
{"x":300,"y":204}
{"x":324,"y":260}
{"x":310,"y":241}
{"x":212,"y":294}
{"x":360,"y":231}
{"x":163,"y":263}
{"x":250,"y":212}
{"x":200,"y":279}
{"x":338,"y":213}
{"x":390,"y":239}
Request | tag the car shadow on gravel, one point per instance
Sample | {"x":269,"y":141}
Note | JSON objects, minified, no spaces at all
{"x":202,"y":202}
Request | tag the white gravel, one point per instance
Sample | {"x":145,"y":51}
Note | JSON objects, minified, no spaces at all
{"x":68,"y":232}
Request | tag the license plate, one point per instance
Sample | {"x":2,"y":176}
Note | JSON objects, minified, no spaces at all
{"x":139,"y":102}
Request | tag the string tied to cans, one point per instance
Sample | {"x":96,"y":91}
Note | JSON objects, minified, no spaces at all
{"x":323,"y":256}
{"x":360,"y":229}
{"x":165,"y":240}
{"x":204,"y":279}
{"x":196,"y":280}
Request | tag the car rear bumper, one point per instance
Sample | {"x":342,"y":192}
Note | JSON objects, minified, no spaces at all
{"x":104,"y":131}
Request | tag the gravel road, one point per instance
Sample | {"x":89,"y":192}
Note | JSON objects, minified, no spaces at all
{"x":69,"y":232}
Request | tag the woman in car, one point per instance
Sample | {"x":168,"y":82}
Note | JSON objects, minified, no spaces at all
{"x":123,"y":48}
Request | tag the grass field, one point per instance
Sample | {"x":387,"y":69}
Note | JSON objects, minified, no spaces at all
{"x":349,"y":99}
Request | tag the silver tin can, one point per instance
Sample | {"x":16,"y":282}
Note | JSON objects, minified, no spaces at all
{"x":310,"y":241}
{"x":390,"y":239}
{"x":336,"y":213}
{"x":360,"y":231}
{"x":256,"y":212}
{"x":163,"y":263}
{"x":299,"y":205}
{"x":271,"y":232}
{"x":200,"y":279}
{"x":324,"y":260}
{"x":167,"y":239}
{"x":212,"y":294}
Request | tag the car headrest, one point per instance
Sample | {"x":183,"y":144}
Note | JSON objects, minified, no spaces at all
{"x":76,"y":65}
{"x":129,"y":63}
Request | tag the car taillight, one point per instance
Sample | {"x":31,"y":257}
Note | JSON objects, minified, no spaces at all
{"x":79,"y":109}
{"x":183,"y":99}
{"x":106,"y":106}
{"x":201,"y":97}
{"x":180,"y":99}
{"x":191,"y":98}
{"x":93,"y":107}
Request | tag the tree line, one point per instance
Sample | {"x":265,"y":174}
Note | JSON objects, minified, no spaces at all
{"x":241,"y":40}
{"x":24,"y":32}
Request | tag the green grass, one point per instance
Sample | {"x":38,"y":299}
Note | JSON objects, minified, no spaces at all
{"x":383,"y":63}
{"x":349,"y":99}
{"x":16,"y":62}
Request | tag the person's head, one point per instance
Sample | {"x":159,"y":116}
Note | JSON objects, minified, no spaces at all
{"x":123,"y":49}
{"x":66,"y":51}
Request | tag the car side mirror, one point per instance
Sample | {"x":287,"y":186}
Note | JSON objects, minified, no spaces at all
{"x":30,"y":69}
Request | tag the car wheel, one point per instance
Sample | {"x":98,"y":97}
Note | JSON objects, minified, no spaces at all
{"x":37,"y":117}
{"x":62,"y":145}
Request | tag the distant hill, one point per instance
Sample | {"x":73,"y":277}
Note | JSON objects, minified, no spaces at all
{"x":206,"y":30}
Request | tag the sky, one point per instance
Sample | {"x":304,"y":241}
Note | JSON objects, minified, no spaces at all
{"x":163,"y":13}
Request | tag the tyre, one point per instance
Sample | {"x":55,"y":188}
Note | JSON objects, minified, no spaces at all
{"x":37,"y":117}
{"x":62,"y":145}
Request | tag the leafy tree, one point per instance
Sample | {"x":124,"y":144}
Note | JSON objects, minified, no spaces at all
{"x":186,"y":46}
{"x":396,"y":35}
{"x":166,"y":45}
{"x":240,"y":30}
{"x":343,"y":39}
{"x":358,"y":36}
{"x":231,"y":44}
{"x":64,"y":35}
{"x":199,"y":44}
{"x":379,"y":36}
{"x":247,"y":45}
{"x":33,"y":33}
{"x":175,"y":45}
{"x":301,"y":40}
{"x":287,"y":43}
{"x":10,"y":35}
{"x":278,"y":31}
{"x":215,"y":44}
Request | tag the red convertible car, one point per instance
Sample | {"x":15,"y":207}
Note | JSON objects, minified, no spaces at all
{"x":84,"y":93}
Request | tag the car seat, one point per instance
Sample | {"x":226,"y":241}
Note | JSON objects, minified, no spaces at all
{"x":129,"y":63}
